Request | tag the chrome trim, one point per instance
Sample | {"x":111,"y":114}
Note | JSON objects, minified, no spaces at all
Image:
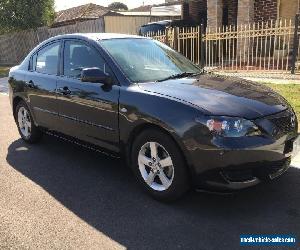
{"x":45,"y":111}
{"x":279,"y":172}
{"x":75,"y":119}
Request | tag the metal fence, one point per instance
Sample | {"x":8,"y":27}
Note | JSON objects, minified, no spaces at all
{"x":265,"y":46}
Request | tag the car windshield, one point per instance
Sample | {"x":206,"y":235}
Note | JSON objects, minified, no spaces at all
{"x":146,"y":60}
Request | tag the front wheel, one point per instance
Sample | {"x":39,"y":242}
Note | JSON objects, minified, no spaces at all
{"x":159,"y":166}
{"x":27,"y":129}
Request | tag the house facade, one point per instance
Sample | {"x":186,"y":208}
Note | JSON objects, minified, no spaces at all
{"x":216,"y":13}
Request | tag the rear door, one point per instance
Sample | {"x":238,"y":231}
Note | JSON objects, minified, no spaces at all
{"x":41,"y":83}
{"x":88,"y":111}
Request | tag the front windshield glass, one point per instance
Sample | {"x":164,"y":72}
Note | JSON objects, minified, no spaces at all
{"x":145,"y":60}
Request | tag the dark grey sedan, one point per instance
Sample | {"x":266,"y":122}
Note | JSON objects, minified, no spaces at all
{"x":175,"y":125}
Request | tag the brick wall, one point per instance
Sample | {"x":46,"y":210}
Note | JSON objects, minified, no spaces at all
{"x":265,"y":10}
{"x":185,"y":11}
{"x":232,"y":12}
{"x":231,"y":6}
{"x":198,"y":11}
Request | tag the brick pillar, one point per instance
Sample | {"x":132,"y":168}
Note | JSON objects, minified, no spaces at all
{"x":232,"y":12}
{"x":214,"y":13}
{"x":245,"y":11}
{"x":245,"y":16}
{"x":185,"y":11}
{"x":194,"y":10}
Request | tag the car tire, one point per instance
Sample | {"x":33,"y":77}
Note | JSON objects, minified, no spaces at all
{"x":167,"y":178}
{"x":29,"y":132}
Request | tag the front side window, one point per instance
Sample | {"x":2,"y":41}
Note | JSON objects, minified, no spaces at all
{"x":78,"y":56}
{"x":145,"y":60}
{"x":47,"y":59}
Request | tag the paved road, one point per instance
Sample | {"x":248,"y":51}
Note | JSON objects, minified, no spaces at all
{"x":4,"y":85}
{"x":58,"y":195}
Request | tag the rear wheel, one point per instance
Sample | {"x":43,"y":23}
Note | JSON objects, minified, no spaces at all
{"x":27,"y":129}
{"x":159,"y":166}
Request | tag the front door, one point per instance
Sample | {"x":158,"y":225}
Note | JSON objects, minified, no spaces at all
{"x":41,"y":82}
{"x":88,"y":111}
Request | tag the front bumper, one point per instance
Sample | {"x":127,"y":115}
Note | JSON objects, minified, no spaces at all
{"x":233,"y":164}
{"x":244,"y":176}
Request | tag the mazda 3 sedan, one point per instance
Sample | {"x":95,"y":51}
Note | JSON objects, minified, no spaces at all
{"x":176,"y":126}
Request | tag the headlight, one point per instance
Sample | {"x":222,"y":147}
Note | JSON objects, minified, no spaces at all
{"x":229,"y":126}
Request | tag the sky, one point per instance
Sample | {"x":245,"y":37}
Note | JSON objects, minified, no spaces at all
{"x":65,"y":4}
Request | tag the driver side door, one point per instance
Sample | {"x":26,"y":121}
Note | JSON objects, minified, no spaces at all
{"x":87,"y":111}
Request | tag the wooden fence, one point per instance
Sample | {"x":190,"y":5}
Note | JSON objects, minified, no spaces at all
{"x":130,"y":24}
{"x":264,"y":46}
{"x":14,"y":47}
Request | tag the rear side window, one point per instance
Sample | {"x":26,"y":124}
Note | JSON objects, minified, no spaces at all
{"x":78,"y":56}
{"x":47,"y":59}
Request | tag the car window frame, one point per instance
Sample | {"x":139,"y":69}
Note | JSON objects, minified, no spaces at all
{"x":100,"y":53}
{"x":36,"y":54}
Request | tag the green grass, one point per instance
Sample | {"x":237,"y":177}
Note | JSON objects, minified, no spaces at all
{"x":291,"y":92}
{"x":4,"y":71}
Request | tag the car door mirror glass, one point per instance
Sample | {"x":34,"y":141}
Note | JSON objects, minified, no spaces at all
{"x":95,"y":75}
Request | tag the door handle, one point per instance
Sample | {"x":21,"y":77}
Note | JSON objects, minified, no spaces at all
{"x":64,"y":91}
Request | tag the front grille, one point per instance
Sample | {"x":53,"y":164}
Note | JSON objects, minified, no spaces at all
{"x":238,"y":175}
{"x":284,"y":122}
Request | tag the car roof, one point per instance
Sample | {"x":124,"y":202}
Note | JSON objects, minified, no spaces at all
{"x":163,"y":22}
{"x":96,"y":36}
{"x":85,"y":36}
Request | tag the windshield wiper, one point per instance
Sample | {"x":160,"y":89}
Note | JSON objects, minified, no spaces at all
{"x":179,"y":75}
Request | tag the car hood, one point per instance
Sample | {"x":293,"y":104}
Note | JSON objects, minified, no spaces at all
{"x":218,"y":95}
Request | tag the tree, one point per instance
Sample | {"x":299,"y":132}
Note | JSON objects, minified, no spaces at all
{"x":18,"y":15}
{"x":117,"y":6}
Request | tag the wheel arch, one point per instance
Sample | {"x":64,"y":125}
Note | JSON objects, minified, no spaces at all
{"x":15,"y":103}
{"x":16,"y":100}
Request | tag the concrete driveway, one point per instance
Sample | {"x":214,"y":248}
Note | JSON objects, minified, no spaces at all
{"x":56,"y":195}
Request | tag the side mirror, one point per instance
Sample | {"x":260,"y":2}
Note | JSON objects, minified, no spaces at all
{"x":95,"y":75}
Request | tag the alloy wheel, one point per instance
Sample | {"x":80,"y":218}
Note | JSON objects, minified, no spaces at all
{"x":156,"y":166}
{"x":24,"y":122}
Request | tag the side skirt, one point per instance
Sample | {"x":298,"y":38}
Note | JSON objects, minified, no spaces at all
{"x":81,"y":143}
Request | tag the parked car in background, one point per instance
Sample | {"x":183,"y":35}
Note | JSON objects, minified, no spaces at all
{"x":175,"y":125}
{"x":161,"y":26}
